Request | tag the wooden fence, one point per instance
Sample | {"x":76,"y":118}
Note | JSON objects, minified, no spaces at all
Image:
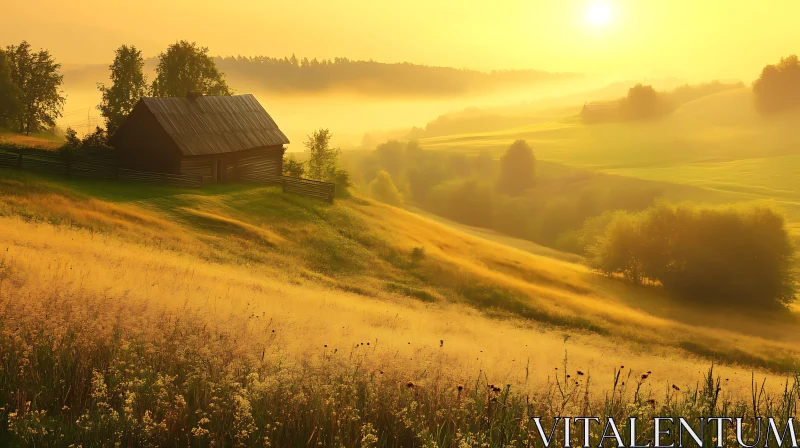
{"x":105,"y":167}
{"x":96,"y":166}
{"x":311,"y":188}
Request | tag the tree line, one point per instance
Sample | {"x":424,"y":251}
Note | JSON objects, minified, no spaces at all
{"x":184,"y":67}
{"x":31,"y":98}
{"x":292,"y":74}
{"x":513,"y":194}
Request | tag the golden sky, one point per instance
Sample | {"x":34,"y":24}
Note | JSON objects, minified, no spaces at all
{"x":692,"y":38}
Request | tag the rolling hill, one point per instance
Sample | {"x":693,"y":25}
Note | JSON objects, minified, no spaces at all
{"x":240,"y":314}
{"x":255,"y":250}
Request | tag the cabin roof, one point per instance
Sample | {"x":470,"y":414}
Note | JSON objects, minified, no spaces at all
{"x":203,"y":125}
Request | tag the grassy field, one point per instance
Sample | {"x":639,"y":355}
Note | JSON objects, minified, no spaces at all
{"x":37,"y":140}
{"x":145,"y":312}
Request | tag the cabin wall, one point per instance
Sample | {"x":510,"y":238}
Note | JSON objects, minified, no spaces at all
{"x":260,"y":165}
{"x":143,"y":145}
{"x":263,"y":166}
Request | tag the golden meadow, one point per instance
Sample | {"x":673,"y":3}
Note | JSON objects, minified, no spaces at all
{"x":239,"y":316}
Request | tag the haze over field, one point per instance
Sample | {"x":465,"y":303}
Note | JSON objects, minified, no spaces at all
{"x":488,"y":211}
{"x":619,"y":39}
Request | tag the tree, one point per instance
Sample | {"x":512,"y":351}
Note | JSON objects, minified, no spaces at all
{"x":383,"y":189}
{"x":36,"y":77}
{"x":517,"y":169}
{"x":778,"y":87}
{"x":185,"y":68}
{"x":641,"y":103}
{"x":724,"y":255}
{"x":9,"y":93}
{"x":322,"y":158}
{"x":128,"y":85}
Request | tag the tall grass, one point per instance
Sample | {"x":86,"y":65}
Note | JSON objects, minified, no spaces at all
{"x":87,"y":371}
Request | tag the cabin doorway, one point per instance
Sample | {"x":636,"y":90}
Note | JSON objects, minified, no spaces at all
{"x":220,"y":171}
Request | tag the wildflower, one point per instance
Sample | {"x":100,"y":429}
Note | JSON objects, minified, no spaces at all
{"x":460,"y":388}
{"x":651,"y":402}
{"x":644,"y":377}
{"x":676,"y":387}
{"x":580,"y":373}
{"x":441,"y":342}
{"x":410,"y":385}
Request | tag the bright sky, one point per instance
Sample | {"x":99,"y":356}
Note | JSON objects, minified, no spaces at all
{"x":694,"y":38}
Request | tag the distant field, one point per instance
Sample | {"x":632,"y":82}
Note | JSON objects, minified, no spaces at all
{"x":718,"y":143}
{"x":39,"y":140}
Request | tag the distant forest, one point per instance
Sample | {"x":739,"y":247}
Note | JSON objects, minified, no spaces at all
{"x":370,"y":77}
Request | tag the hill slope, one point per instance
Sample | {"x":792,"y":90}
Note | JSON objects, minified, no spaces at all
{"x":345,"y":273}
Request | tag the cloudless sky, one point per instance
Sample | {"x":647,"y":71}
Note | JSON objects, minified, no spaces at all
{"x":692,"y":38}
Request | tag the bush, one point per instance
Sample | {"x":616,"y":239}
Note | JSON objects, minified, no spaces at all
{"x":417,"y":254}
{"x":383,"y":189}
{"x":341,"y":178}
{"x":293,"y":167}
{"x":729,"y":256}
{"x":97,"y":141}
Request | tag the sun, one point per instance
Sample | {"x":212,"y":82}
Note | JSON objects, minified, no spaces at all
{"x":599,"y":15}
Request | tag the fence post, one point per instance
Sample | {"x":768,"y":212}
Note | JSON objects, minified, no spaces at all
{"x":19,"y":160}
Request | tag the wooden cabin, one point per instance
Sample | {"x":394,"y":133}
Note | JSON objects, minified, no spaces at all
{"x":219,"y":138}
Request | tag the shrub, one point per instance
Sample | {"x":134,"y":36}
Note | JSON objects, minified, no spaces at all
{"x":293,"y":167}
{"x":417,"y":254}
{"x":383,"y":189}
{"x":97,"y":141}
{"x":730,"y":256}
